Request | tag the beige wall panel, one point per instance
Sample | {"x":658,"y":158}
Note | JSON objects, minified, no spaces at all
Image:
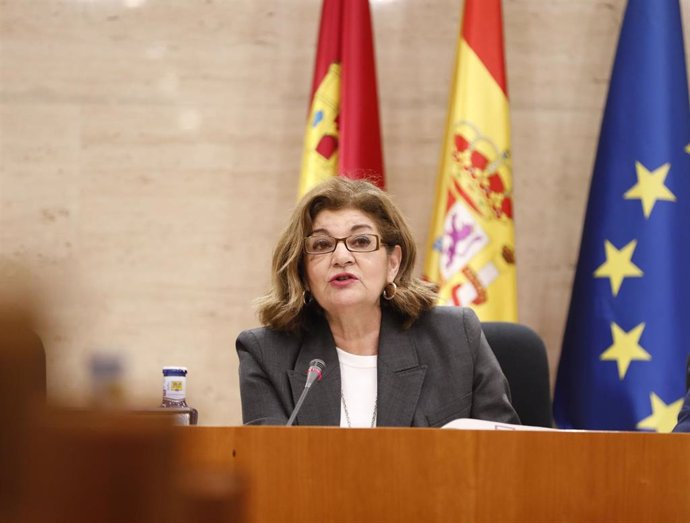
{"x":150,"y":149}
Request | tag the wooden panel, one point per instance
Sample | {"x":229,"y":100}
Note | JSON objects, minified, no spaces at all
{"x":330,"y":474}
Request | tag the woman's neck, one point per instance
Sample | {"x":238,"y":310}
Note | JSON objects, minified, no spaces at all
{"x":356,"y":333}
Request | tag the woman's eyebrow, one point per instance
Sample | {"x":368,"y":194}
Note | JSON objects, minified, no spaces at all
{"x":352,"y":229}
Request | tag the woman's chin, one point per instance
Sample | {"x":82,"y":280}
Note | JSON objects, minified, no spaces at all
{"x":349,"y":304}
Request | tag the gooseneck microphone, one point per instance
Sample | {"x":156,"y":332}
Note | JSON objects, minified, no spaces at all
{"x":314,"y":373}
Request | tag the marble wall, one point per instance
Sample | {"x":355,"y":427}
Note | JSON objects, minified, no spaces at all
{"x":150,"y":149}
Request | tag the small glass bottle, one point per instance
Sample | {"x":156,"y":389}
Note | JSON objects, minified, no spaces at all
{"x":175,"y":392}
{"x":107,"y":389}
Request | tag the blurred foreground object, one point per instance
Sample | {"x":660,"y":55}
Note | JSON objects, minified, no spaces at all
{"x":22,"y":378}
{"x":114,"y":466}
{"x":98,"y":466}
{"x":75,"y":466}
{"x":107,"y":390}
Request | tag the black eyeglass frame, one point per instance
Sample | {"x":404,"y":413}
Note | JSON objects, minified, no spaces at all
{"x":379,"y":242}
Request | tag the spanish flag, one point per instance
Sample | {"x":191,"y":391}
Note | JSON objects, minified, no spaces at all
{"x":470,"y":252}
{"x":343,"y":135}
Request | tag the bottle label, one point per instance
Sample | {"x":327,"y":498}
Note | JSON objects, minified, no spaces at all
{"x":174,"y":388}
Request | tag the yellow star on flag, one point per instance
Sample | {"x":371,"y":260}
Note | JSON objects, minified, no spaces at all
{"x":663,"y":417}
{"x":625,"y":348}
{"x":650,"y":187}
{"x":618,"y":265}
{"x":687,"y":148}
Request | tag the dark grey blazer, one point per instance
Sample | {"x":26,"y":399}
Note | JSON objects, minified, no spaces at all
{"x":439,"y":369}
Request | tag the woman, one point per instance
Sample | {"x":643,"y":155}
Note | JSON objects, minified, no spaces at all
{"x":343,"y":292}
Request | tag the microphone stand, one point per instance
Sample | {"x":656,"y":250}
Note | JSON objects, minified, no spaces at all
{"x":297,"y":407}
{"x":313,"y":374}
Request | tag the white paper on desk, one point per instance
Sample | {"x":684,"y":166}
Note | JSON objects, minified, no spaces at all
{"x":478,"y":424}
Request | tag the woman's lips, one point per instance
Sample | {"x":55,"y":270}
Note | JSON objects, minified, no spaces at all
{"x":343,"y":279}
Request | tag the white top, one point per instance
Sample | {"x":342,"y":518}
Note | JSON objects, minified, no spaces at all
{"x":359,"y":387}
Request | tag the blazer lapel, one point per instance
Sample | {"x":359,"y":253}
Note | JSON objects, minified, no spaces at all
{"x":400,"y":377}
{"x":322,"y":404}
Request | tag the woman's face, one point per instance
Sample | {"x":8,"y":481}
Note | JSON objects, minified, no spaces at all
{"x":341,"y":280}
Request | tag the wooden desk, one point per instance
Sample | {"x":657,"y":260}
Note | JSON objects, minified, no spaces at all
{"x":357,"y":475}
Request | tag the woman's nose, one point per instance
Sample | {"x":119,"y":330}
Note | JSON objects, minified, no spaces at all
{"x":341,"y":255}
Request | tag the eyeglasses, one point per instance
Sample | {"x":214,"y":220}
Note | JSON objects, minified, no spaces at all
{"x":323,"y":244}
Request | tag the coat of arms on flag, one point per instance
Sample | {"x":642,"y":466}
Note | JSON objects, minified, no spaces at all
{"x":471,"y":244}
{"x":343,"y":136}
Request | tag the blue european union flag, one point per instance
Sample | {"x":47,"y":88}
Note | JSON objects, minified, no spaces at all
{"x":628,"y":332}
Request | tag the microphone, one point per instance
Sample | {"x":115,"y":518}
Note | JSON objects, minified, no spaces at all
{"x":314,"y":373}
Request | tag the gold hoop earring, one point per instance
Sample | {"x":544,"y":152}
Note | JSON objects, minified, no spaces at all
{"x":390,"y":294}
{"x":307,"y":297}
